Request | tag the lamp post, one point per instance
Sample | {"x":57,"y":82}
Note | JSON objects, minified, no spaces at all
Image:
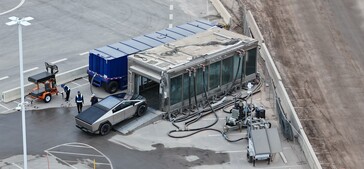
{"x":21,"y":22}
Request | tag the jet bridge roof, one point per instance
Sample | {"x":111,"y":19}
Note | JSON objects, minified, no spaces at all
{"x":179,"y":52}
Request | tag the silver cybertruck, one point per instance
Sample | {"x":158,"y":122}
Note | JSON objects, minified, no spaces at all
{"x":100,"y":117}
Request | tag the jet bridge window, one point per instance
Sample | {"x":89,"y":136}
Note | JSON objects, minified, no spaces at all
{"x":214,"y":75}
{"x":199,"y":80}
{"x":186,"y":82}
{"x":236,"y":66}
{"x":227,"y":70}
{"x":251,"y":64}
{"x":176,"y":90}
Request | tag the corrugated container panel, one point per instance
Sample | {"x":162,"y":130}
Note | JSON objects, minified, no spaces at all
{"x":199,"y":24}
{"x":191,"y":28}
{"x":148,"y":41}
{"x":111,"y":52}
{"x":136,"y":45}
{"x":180,"y":31}
{"x":124,"y":48}
{"x":171,"y":34}
{"x":160,"y":37}
{"x":209,"y":24}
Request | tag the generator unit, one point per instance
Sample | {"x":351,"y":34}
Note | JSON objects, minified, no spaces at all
{"x":108,"y":65}
{"x":173,"y":76}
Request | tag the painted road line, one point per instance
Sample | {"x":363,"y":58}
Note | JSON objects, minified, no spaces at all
{"x":16,"y":165}
{"x":19,"y":5}
{"x":85,"y":79}
{"x":84,"y":53}
{"x":76,"y":83}
{"x":77,"y":154}
{"x":4,"y":107}
{"x":34,"y":68}
{"x":60,"y":60}
{"x":5,"y":77}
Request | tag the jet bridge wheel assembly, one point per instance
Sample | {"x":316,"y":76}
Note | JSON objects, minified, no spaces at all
{"x":105,"y":128}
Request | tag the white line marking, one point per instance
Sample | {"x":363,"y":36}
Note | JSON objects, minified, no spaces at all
{"x":69,"y":153}
{"x":3,"y":112}
{"x":84,"y":53}
{"x":82,"y":144}
{"x":20,"y":4}
{"x":85,"y":79}
{"x":70,"y":161}
{"x":170,"y":25}
{"x":61,"y":160}
{"x":4,"y":107}
{"x":122,"y":144}
{"x":34,"y":68}
{"x":5,"y":77}
{"x":77,"y":146}
{"x":76,"y":83}
{"x":16,"y":165}
{"x":60,"y":60}
{"x":170,"y":16}
{"x":171,"y":7}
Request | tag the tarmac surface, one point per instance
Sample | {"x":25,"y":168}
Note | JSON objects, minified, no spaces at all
{"x":318,"y":48}
{"x":63,"y":32}
{"x":53,"y":140}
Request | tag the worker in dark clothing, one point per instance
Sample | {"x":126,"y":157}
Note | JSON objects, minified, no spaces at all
{"x":94,"y":99}
{"x":79,"y":101}
{"x":67,"y":90}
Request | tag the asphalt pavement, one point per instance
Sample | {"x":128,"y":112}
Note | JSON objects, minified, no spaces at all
{"x":54,"y":140}
{"x":62,"y":32}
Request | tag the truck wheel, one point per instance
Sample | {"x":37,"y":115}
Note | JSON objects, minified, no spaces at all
{"x":47,"y":98}
{"x":105,"y":129}
{"x":250,"y":158}
{"x":141,"y":110}
{"x":112,"y":87}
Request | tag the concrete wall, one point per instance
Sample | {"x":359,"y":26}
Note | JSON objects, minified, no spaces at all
{"x":64,"y":77}
{"x":225,"y":15}
{"x":282,"y":94}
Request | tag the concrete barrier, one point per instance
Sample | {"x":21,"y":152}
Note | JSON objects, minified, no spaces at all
{"x":65,"y":77}
{"x":282,"y":94}
{"x":254,"y":29}
{"x":222,"y":11}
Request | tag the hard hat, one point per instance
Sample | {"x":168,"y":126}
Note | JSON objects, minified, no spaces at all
{"x":79,"y":92}
{"x":62,"y":85}
{"x":93,"y":94}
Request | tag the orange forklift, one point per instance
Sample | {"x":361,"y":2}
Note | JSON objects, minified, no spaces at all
{"x":46,"y":84}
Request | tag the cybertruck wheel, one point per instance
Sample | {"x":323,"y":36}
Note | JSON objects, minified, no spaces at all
{"x":141,"y":110}
{"x":47,"y":98}
{"x":105,"y":129}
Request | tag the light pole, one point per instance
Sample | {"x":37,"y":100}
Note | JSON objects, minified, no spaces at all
{"x":20,"y":22}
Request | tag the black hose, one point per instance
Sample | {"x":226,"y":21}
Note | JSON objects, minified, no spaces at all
{"x":189,"y":90}
{"x":194,"y":87}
